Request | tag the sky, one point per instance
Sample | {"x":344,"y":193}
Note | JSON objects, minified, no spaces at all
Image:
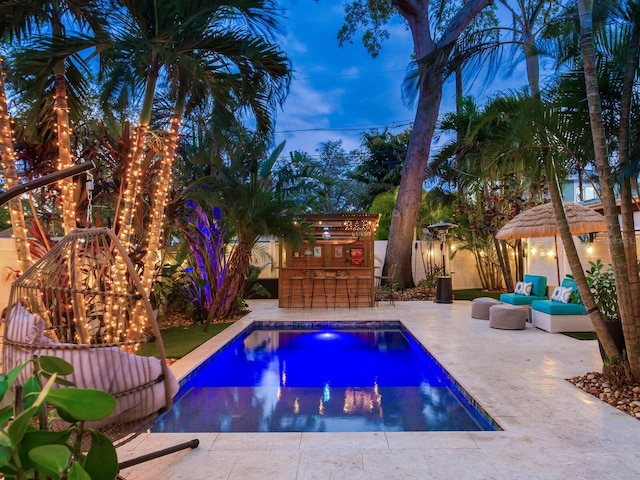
{"x":339,"y":92}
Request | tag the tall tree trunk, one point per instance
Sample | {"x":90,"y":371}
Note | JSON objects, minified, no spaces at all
{"x":405,"y":211}
{"x":616,"y":246}
{"x":11,"y":180}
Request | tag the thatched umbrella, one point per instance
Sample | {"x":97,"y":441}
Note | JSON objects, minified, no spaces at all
{"x":540,"y":221}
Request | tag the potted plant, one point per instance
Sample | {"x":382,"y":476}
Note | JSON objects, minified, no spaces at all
{"x":30,"y":448}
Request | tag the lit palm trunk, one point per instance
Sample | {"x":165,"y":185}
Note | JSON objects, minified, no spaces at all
{"x":64,"y":154}
{"x":133,"y":181}
{"x":160,"y":198}
{"x":67,"y":192}
{"x":11,"y":179}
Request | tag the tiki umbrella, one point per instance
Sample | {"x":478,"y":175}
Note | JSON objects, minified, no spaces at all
{"x":540,"y":222}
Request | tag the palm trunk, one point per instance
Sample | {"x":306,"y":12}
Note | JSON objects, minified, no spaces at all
{"x":67,"y":187}
{"x":133,"y":181}
{"x":616,"y":246}
{"x":160,"y":199}
{"x":11,"y":180}
{"x":626,"y":190}
{"x":577,"y":271}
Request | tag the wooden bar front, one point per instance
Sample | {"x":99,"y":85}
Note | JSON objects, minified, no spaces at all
{"x":335,"y":270}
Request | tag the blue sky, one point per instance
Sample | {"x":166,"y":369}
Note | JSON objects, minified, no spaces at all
{"x":336,"y":93}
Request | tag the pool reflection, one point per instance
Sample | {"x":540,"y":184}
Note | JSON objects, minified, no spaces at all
{"x":321,"y":381}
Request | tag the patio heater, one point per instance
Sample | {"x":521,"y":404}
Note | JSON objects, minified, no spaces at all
{"x":444,"y":290}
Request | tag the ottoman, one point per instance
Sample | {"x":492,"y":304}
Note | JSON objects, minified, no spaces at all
{"x":480,"y":307}
{"x":507,"y":317}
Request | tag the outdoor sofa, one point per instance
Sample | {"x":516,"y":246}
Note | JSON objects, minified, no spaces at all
{"x":564,"y":312}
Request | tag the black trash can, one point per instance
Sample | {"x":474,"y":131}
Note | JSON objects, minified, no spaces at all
{"x":444,"y":291}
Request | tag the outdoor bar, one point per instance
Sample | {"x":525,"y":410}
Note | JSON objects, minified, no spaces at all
{"x":335,"y":269}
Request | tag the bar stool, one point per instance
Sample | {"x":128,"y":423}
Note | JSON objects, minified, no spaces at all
{"x":343,"y":293}
{"x":322,"y":280}
{"x":368,"y":289}
{"x":292,"y":281}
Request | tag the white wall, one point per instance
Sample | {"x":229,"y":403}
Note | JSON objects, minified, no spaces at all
{"x":8,"y":266}
{"x":462,"y":268}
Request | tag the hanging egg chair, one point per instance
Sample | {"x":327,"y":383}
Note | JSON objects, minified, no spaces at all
{"x":83,"y":301}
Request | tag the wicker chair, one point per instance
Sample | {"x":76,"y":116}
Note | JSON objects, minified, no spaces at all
{"x":83,"y":301}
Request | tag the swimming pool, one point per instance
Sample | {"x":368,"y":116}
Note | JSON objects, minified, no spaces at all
{"x":322,"y":377}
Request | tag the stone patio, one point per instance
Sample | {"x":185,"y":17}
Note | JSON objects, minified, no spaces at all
{"x":552,"y":430}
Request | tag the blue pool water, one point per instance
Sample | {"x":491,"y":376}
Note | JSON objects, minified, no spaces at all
{"x":325,"y":378}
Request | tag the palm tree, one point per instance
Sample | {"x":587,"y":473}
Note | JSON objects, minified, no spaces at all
{"x":492,"y":186}
{"x":257,"y":200}
{"x":203,"y":50}
{"x":48,"y":60}
{"x":8,"y":159}
{"x":544,"y":135}
{"x":616,"y":241}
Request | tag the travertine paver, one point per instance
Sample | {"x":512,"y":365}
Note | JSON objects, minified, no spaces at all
{"x":552,"y":430}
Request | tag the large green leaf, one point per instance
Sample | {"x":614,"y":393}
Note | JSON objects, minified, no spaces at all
{"x":50,"y":459}
{"x":18,"y":427}
{"x":76,"y":472}
{"x":5,"y":414}
{"x":6,"y":380}
{"x":38,"y":438}
{"x":55,"y":365}
{"x":5,"y":455}
{"x":30,"y":391}
{"x":82,"y":403}
{"x":102,"y":461}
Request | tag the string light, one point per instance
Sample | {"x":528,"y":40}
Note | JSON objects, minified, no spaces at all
{"x":11,"y":179}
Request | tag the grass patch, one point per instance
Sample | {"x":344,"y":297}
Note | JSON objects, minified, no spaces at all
{"x":178,"y":341}
{"x":471,"y":293}
{"x":581,"y":335}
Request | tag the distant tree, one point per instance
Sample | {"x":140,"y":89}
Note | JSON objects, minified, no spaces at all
{"x":382,"y":157}
{"x":331,"y":172}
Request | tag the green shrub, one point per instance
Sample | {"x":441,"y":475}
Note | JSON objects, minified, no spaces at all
{"x":30,"y":450}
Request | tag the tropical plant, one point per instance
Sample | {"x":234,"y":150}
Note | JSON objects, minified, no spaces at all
{"x":603,"y":286}
{"x":623,"y":271}
{"x":54,"y":76}
{"x":220,"y":52}
{"x":257,"y":200}
{"x":29,"y":449}
{"x":379,"y":171}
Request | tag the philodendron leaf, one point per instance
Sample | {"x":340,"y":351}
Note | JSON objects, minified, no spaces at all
{"x":76,"y":472}
{"x":82,"y":403}
{"x":7,"y":379}
{"x":5,"y":455}
{"x":55,"y":365}
{"x":50,"y":459}
{"x":18,"y":427}
{"x":102,"y":461}
{"x":5,"y":414}
{"x":30,"y":391}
